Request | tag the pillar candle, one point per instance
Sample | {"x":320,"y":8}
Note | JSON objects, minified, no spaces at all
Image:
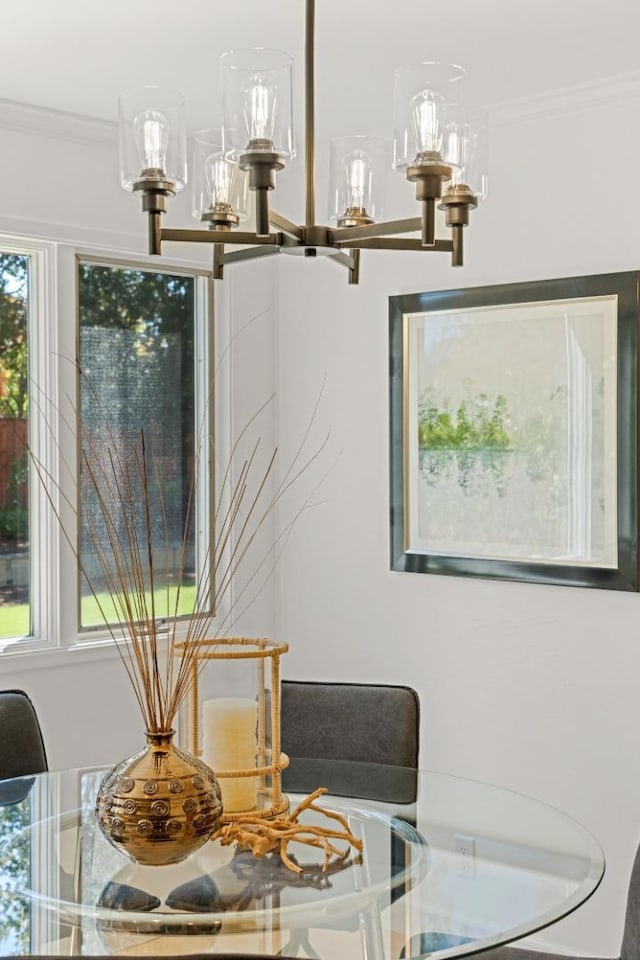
{"x":229,"y":742}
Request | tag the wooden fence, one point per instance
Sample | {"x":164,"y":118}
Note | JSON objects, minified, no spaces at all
{"x":13,"y":437}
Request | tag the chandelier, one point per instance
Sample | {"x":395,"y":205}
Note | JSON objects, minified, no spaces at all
{"x":439,"y":143}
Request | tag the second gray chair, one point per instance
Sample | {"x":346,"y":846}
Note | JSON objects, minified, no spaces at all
{"x":355,"y":739}
{"x":22,"y":749}
{"x":339,"y":734}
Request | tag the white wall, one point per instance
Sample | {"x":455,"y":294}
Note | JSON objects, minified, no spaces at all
{"x":529,"y":686}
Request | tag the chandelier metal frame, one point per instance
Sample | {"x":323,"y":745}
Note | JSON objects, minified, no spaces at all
{"x":341,"y":244}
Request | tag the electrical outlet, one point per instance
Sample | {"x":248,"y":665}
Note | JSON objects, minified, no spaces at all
{"x":465,"y":849}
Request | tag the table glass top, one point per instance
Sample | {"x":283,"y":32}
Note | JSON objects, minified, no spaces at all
{"x":449,"y":865}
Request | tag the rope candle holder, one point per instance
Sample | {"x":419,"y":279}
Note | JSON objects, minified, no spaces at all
{"x":238,"y":736}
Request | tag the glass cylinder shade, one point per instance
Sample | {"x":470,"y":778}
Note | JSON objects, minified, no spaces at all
{"x":257,"y":103}
{"x":235,"y":726}
{"x":219,"y":186}
{"x":423,"y":95}
{"x":466,"y":148}
{"x":357,"y":178}
{"x":152,"y":136}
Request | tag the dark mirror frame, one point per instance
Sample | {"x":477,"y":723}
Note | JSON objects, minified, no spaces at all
{"x":625,"y":287}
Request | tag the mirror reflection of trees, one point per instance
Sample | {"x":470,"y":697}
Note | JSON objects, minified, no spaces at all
{"x":468,"y":442}
{"x":15,"y":874}
{"x":479,"y":441}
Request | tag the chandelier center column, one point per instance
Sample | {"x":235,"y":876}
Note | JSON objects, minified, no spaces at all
{"x":309,"y":155}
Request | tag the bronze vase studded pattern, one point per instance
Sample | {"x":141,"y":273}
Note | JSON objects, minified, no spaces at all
{"x":159,"y":805}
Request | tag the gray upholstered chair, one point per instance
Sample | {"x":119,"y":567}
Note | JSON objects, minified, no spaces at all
{"x":22,"y":749}
{"x":630,"y":949}
{"x":340,"y":734}
{"x":356,"y":739}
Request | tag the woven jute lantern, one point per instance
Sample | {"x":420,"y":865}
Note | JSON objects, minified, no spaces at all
{"x":235,"y":729}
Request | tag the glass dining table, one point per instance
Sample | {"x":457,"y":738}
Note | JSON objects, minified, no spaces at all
{"x":449,"y":866}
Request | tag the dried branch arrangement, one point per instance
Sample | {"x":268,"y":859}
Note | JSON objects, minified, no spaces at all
{"x":127,"y":536}
{"x":126,"y":528}
{"x":263,"y":837}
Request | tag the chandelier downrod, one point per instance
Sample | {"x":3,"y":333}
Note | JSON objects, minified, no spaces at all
{"x":310,"y":131}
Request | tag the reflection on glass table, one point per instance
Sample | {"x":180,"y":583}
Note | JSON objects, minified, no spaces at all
{"x":457,"y":866}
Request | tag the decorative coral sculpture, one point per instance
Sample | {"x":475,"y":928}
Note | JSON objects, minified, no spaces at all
{"x":274,"y":836}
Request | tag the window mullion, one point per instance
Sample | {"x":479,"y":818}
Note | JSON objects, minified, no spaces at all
{"x":44,"y":350}
{"x":63,"y":599}
{"x":204,"y":414}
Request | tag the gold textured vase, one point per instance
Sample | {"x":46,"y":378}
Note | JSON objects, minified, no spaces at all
{"x":159,"y":805}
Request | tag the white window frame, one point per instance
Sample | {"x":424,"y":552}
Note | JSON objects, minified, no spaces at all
{"x":53,"y":337}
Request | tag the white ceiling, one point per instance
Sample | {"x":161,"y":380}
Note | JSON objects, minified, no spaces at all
{"x":76,"y":55}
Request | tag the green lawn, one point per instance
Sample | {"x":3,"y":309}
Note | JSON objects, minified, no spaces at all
{"x":14,"y":618}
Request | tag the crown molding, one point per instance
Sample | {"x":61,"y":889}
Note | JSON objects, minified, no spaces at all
{"x":78,"y":128}
{"x":565,"y":100}
{"x":58,"y":124}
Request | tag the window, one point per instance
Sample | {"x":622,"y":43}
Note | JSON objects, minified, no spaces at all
{"x":14,"y":511}
{"x":137,"y":360}
{"x":140,"y":336}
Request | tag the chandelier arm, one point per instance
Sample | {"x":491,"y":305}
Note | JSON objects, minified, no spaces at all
{"x":309,"y":115}
{"x":286,"y":226}
{"x":221,"y":236}
{"x":397,"y":243}
{"x":343,"y":259}
{"x":383,"y":229}
{"x":351,"y":261}
{"x":248,"y":253}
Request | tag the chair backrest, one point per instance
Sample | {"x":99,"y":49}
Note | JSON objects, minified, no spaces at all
{"x":22,"y":749}
{"x":631,"y":936}
{"x":369,"y":723}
